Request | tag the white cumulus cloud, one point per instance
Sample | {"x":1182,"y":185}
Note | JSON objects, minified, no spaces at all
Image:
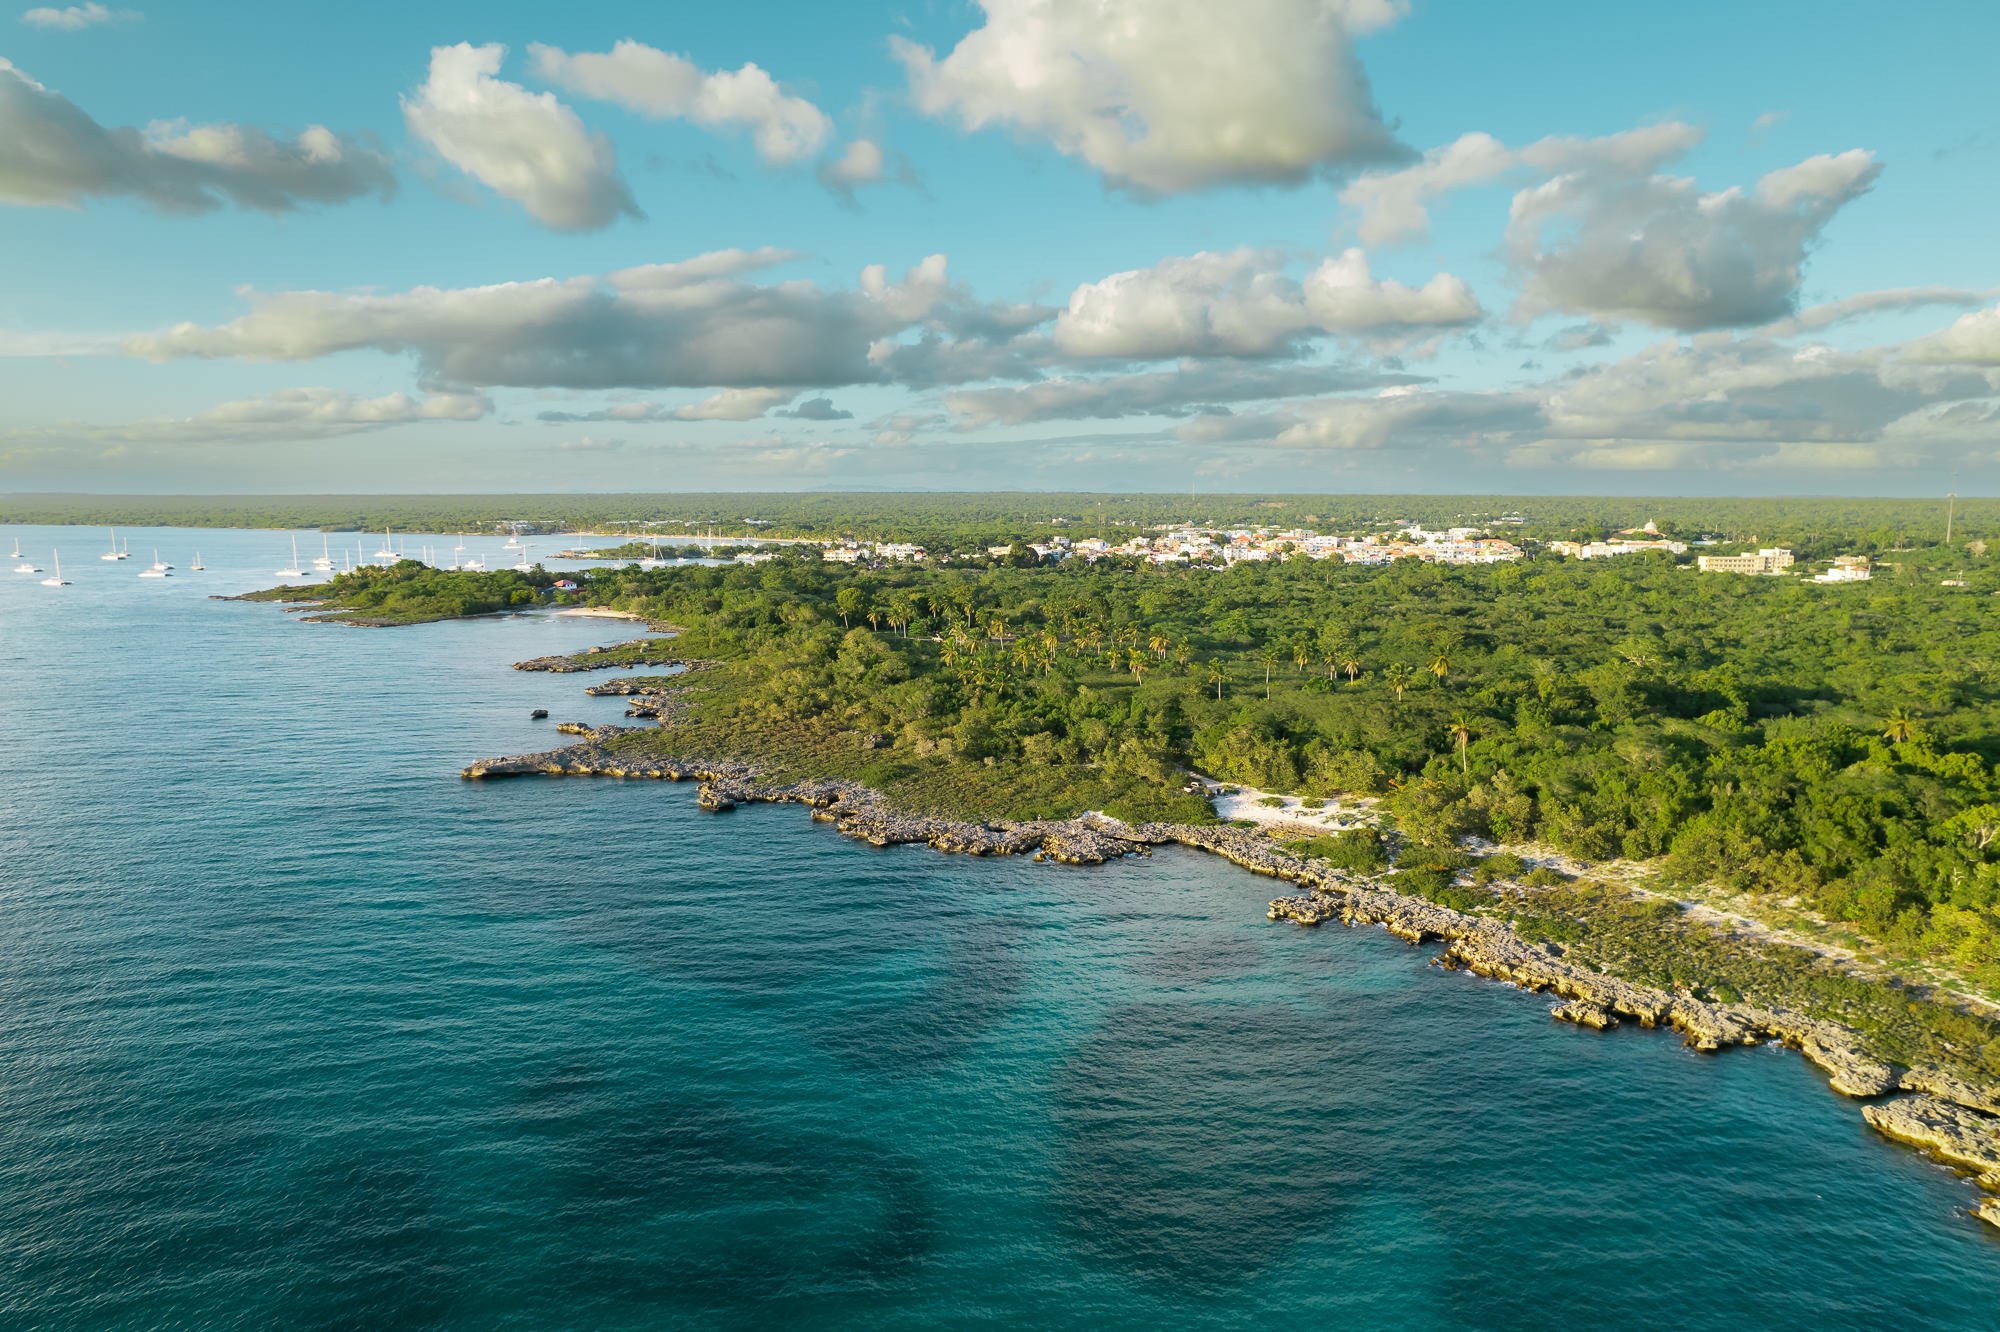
{"x":1168,"y":96}
{"x":787,"y":129}
{"x":1395,"y":205}
{"x":75,"y":18}
{"x":285,"y":416}
{"x":695,"y":324}
{"x":1243,"y":303}
{"x":522,"y":145}
{"x":52,"y":152}
{"x":1658,"y":250}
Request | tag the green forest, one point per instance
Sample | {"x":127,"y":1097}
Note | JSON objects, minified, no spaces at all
{"x":411,"y":592}
{"x":1832,"y":745}
{"x":971,"y":522}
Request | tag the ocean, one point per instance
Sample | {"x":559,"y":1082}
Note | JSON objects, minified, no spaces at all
{"x":298,"y":1029}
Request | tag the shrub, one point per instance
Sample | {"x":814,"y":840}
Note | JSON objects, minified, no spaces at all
{"x":1500,"y":865}
{"x":1358,"y":851}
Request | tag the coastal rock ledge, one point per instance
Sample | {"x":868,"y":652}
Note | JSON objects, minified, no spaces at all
{"x":1957,"y":1122}
{"x":1953,"y":1133}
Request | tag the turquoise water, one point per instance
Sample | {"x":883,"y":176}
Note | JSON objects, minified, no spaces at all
{"x":299,"y":1030}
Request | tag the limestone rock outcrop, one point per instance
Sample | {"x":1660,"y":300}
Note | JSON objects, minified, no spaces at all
{"x":1952,"y":1133}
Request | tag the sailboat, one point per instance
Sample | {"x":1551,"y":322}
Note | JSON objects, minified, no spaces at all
{"x":474,"y":565}
{"x":157,"y":569}
{"x":292,"y":570}
{"x":522,"y":564}
{"x":25,"y":566}
{"x":114,"y":553}
{"x":197,"y":566}
{"x":56,"y":579}
{"x":17,"y":549}
{"x":388,"y":552}
{"x":324,"y":561}
{"x":513,"y":541}
{"x":160,"y":565}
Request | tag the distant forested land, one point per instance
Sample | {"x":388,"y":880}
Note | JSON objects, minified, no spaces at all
{"x":968,"y":522}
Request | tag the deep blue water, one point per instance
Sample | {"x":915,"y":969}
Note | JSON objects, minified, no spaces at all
{"x":297,"y":1030}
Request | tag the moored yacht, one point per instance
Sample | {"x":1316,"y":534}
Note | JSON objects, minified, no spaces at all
{"x":115,"y":553}
{"x":324,"y":560}
{"x":25,"y":566}
{"x":197,"y":566}
{"x":56,"y":579}
{"x":158,"y":568}
{"x":292,"y":570}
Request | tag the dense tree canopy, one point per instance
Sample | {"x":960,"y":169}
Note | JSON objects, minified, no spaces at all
{"x":1835,"y":744}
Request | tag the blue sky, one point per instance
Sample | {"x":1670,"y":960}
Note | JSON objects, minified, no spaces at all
{"x":1151,"y":244}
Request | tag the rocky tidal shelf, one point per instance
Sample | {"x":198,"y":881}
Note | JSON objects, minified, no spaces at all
{"x":636,"y":652}
{"x":1954,"y":1122}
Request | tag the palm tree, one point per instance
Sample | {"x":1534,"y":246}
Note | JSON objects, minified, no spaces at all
{"x":847,"y":601}
{"x":874,"y":617}
{"x":1351,"y":664}
{"x":1159,"y":643}
{"x":1136,"y":663}
{"x":1397,"y":677}
{"x":1217,"y":677}
{"x":1183,"y":653}
{"x":1302,"y":653}
{"x":1269,"y":656}
{"x":1440,"y":665}
{"x":997,"y":630}
{"x":1461,"y":733}
{"x":1899,"y":728}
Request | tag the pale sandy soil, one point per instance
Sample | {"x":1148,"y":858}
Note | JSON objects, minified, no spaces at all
{"x":1728,"y":912}
{"x":1337,"y":815}
{"x":599,"y":613}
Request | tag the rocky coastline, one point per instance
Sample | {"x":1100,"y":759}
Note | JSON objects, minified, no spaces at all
{"x":642,"y":652}
{"x":1956,"y":1123}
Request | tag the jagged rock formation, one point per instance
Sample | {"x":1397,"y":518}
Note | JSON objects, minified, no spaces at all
{"x":651,"y":652}
{"x":1953,"y":1133}
{"x":1958,"y":1122}
{"x":1584,"y":1014}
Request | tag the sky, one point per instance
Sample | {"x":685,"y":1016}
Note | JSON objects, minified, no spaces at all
{"x":1161,"y":245}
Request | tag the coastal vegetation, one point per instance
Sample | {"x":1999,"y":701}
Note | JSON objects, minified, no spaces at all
{"x":411,"y":592}
{"x":1828,"y":752}
{"x":1833,"y":749}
